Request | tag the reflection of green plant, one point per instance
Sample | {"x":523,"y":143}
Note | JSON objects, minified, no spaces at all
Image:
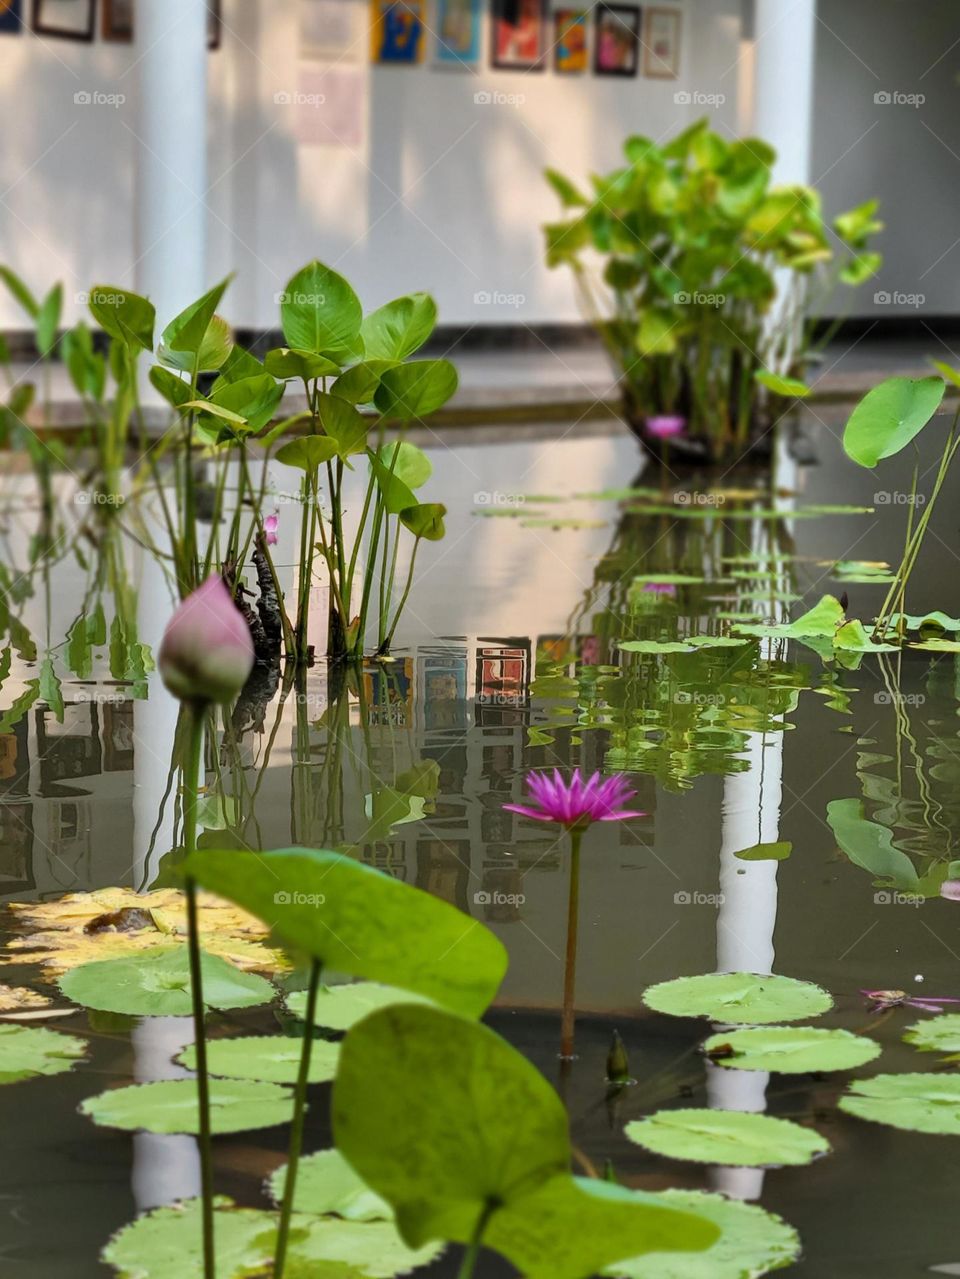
{"x":693,"y":236}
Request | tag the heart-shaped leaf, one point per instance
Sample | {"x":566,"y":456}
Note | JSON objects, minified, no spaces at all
{"x":889,"y":416}
{"x":320,"y":312}
{"x":307,"y":452}
{"x":415,"y":389}
{"x":425,"y":520}
{"x":285,"y":364}
{"x":399,"y":328}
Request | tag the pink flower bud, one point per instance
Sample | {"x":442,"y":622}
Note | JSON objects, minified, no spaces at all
{"x":270,"y":526}
{"x":207,"y":653}
{"x":665,"y":426}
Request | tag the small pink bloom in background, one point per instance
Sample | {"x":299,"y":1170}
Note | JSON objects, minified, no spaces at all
{"x":206,"y":654}
{"x":883,"y":1000}
{"x":270,"y":526}
{"x":664,"y":426}
{"x":576,"y":802}
{"x":659,"y":588}
{"x":950,"y":888}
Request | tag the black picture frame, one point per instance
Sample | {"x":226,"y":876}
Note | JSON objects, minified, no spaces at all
{"x":41,"y":25}
{"x":512,"y":13}
{"x":626,"y":17}
{"x":214,"y":24}
{"x":114,"y":28}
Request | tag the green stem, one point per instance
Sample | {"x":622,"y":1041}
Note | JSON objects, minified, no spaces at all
{"x":570,"y":967}
{"x":191,"y":781}
{"x":296,"y":1130}
{"x":476,"y":1239}
{"x":385,"y":645}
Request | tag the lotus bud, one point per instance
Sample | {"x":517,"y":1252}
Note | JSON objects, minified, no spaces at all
{"x":664,"y":426}
{"x":618,"y":1063}
{"x":207,"y":653}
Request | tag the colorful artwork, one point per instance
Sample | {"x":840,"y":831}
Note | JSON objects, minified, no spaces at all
{"x":397,"y":31}
{"x":65,"y":19}
{"x":519,"y":34}
{"x":11,"y":16}
{"x":617,"y":40}
{"x":458,"y":33}
{"x":661,"y":43}
{"x":570,"y":41}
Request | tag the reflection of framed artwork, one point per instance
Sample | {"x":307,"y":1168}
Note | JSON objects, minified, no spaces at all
{"x":214,"y":24}
{"x":661,"y":43}
{"x":116,"y":20}
{"x":570,"y":41}
{"x":331,"y":29}
{"x":66,"y":19}
{"x":118,"y":737}
{"x":519,"y":34}
{"x":397,"y":31}
{"x":16,"y":847}
{"x":458,"y":33}
{"x":616,"y":49}
{"x":68,"y":751}
{"x":11,"y":16}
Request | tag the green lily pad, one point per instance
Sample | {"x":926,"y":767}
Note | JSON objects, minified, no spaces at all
{"x":732,"y":1138}
{"x":739,"y":998}
{"x":352,"y":1250}
{"x":936,"y":1034}
{"x":689,"y":644}
{"x":776,"y":852}
{"x":752,"y":1243}
{"x":327,"y":1184}
{"x":156,"y":983}
{"x":791,"y":1050}
{"x":171,"y":1106}
{"x":937,"y":646}
{"x":340,"y":1007}
{"x":667,"y":579}
{"x":273,"y":1059}
{"x":29,"y":1051}
{"x":918,"y":1103}
{"x":924,"y":621}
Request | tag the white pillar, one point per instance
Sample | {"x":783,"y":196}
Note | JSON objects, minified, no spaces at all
{"x":783,"y":56}
{"x":171,"y":157}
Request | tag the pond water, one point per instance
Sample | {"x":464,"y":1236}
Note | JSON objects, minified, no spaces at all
{"x":508,"y":661}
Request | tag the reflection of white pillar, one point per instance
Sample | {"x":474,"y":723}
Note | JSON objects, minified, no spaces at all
{"x":165,"y":1168}
{"x":783,"y":57}
{"x":172,"y":158}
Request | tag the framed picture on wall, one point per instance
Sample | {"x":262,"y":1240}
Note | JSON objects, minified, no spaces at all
{"x":616,"y":47}
{"x":661,"y":43}
{"x":332,"y":30}
{"x":11,"y":16}
{"x":570,"y":41}
{"x":519,"y":34}
{"x":116,"y":20}
{"x":64,"y":19}
{"x":396,"y":29}
{"x":458,"y":33}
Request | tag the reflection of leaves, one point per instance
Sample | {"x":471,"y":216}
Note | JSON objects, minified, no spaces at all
{"x":776,"y":852}
{"x":870,"y":846}
{"x":21,"y":705}
{"x":51,"y":691}
{"x":27,"y":1051}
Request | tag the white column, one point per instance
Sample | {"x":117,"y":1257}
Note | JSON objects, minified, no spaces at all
{"x":783,"y":58}
{"x":172,"y":154}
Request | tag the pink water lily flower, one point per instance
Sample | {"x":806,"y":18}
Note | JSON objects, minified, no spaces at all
{"x":206,"y":654}
{"x":883,"y":1000}
{"x":577,"y":802}
{"x":270,"y":526}
{"x":665,"y":426}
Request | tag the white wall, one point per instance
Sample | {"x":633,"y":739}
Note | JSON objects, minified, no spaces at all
{"x":443,"y":194}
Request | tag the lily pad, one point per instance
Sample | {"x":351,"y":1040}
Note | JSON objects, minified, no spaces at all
{"x":28,"y":1051}
{"x":156,"y":983}
{"x":732,"y":1138}
{"x":739,"y":998}
{"x":918,"y":1103}
{"x":936,"y":1034}
{"x":752,"y":1243}
{"x":327,"y":1184}
{"x":792,"y":1050}
{"x":689,"y":644}
{"x":667,"y":579}
{"x":273,"y":1059}
{"x":775,"y":852}
{"x":340,"y":1007}
{"x":171,"y":1106}
{"x":352,"y":1250}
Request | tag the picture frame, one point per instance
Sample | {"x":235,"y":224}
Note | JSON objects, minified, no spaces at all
{"x":331,"y":30}
{"x":616,"y":39}
{"x":661,"y":43}
{"x":214,"y":24}
{"x":64,"y":19}
{"x":11,"y":17}
{"x":571,"y":53}
{"x":397,"y":32}
{"x":518,"y":35}
{"x":457,"y":34}
{"x":116,"y":21}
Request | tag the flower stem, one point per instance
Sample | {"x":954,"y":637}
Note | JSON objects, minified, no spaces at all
{"x":296,"y":1130}
{"x":191,"y":779}
{"x":476,"y":1239}
{"x":570,"y":968}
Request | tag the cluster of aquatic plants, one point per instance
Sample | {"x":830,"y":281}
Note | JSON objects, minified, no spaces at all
{"x":693,"y":240}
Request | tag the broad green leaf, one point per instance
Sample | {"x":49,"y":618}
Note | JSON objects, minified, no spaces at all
{"x":254,"y":399}
{"x":918,"y":1103}
{"x":657,"y":334}
{"x":343,"y":424}
{"x":416,"y":389}
{"x":174,"y":389}
{"x":194,"y":327}
{"x":821,"y":620}
{"x":752,"y":1243}
{"x":320,"y":312}
{"x":327,"y":1184}
{"x":48,"y":320}
{"x":359,"y":384}
{"x":407,"y":463}
{"x":860,"y":268}
{"x":425,"y":520}
{"x":739,"y":998}
{"x":869,"y":845}
{"x":238,"y":365}
{"x":731,"y":1138}
{"x":395,"y":331}
{"x":789,"y":387}
{"x":936,"y":1034}
{"x":340,"y":1007}
{"x":397,"y":496}
{"x":156,"y":983}
{"x":307,"y":452}
{"x":359,"y":921}
{"x":791,"y":1050}
{"x":570,"y":197}
{"x":29,"y":1051}
{"x":274,"y":1059}
{"x":236,"y":1105}
{"x":775,"y":852}
{"x":322,"y":1246}
{"x":442,"y":1118}
{"x":20,"y":291}
{"x":889,"y":416}
{"x":124,"y":315}
{"x":211,"y":355}
{"x":285,"y":364}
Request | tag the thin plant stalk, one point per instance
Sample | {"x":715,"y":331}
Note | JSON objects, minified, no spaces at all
{"x":570,"y":966}
{"x":385,"y":646}
{"x":296,"y":1130}
{"x":468,"y":1265}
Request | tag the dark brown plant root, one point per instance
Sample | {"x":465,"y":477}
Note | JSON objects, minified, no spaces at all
{"x":268,"y":605}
